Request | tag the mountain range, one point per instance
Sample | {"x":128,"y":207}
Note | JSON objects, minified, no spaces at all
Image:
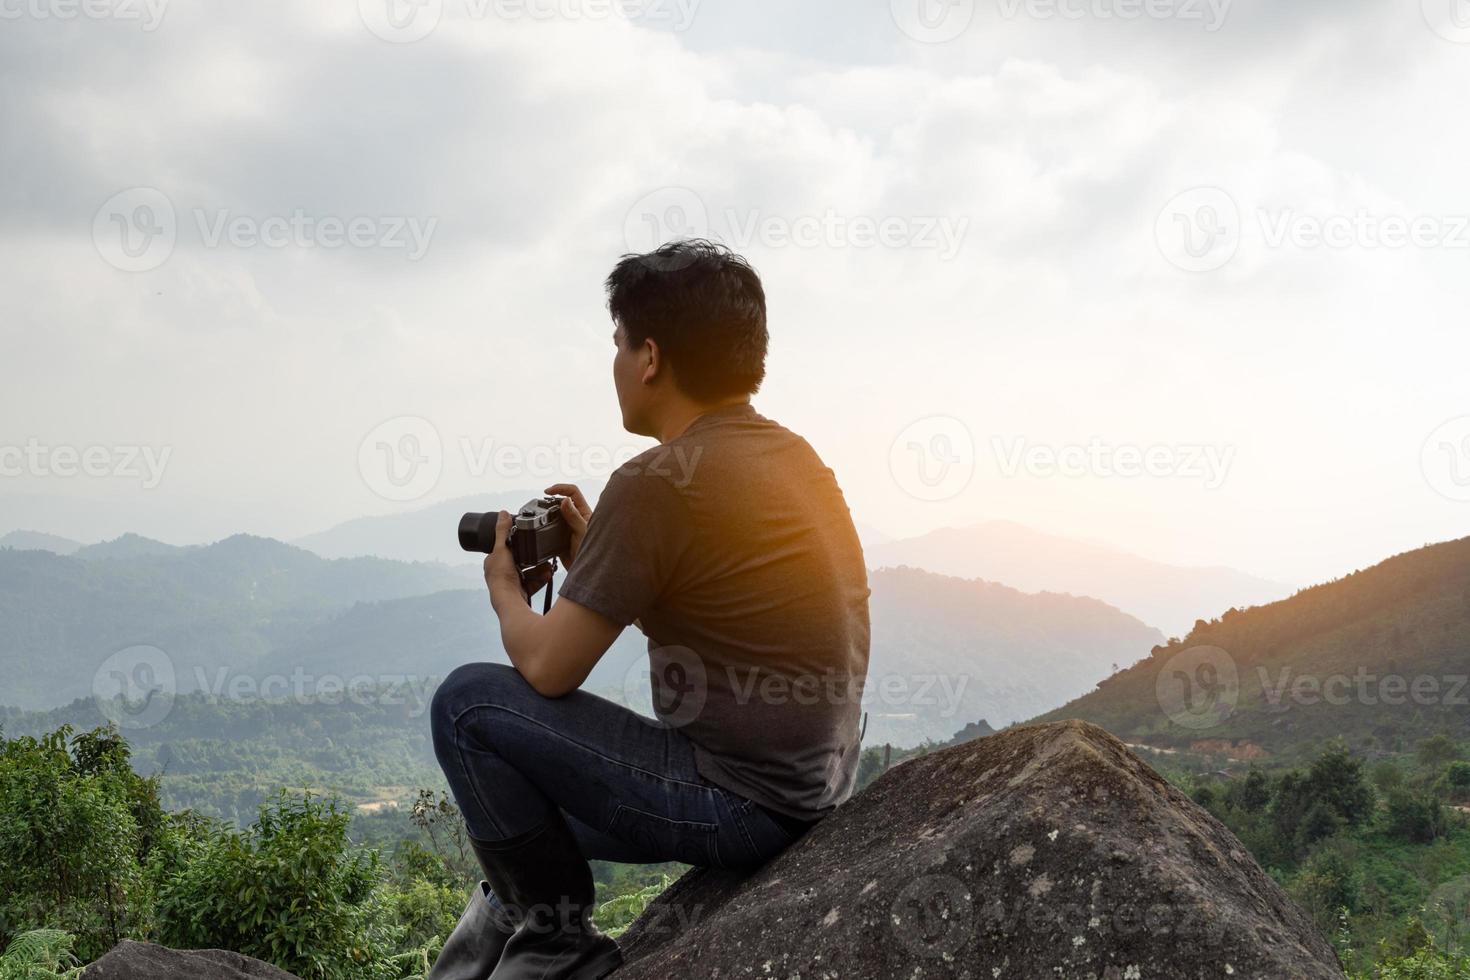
{"x":1170,"y":597}
{"x":1380,"y":657}
{"x":946,"y":652}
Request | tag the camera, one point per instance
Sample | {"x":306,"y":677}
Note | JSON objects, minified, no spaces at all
{"x":538,"y":533}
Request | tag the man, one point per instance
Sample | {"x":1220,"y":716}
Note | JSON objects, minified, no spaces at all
{"x":730,"y":546}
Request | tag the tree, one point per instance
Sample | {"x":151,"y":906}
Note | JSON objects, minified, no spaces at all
{"x":1455,"y":782}
{"x":1414,"y":817}
{"x":1434,"y":752}
{"x":76,"y":825}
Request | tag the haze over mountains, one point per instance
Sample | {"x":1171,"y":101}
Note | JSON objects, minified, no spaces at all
{"x":946,"y":652}
{"x":1169,"y":597}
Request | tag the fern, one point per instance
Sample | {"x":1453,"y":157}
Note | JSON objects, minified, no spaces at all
{"x":621,"y":912}
{"x":44,"y":954}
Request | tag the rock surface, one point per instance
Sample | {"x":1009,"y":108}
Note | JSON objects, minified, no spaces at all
{"x":1049,"y":851}
{"x":140,"y":961}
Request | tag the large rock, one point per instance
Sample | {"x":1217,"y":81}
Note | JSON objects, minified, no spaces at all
{"x":140,"y":961}
{"x":1043,"y":852}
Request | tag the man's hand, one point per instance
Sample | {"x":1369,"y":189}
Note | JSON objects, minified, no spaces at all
{"x":501,"y":574}
{"x":576,"y":512}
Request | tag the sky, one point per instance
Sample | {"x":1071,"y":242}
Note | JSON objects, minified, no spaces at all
{"x":1188,"y":277}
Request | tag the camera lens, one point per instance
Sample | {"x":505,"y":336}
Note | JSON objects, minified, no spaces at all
{"x":477,"y":532}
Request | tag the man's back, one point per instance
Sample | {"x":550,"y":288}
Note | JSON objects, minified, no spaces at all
{"x":733,"y":547}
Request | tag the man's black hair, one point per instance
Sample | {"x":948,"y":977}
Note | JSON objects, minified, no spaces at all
{"x":705,"y":308}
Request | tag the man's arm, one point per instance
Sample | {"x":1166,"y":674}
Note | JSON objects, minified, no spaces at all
{"x":555,"y":652}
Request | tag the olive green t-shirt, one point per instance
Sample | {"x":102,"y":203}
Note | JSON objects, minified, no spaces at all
{"x":733,"y":548}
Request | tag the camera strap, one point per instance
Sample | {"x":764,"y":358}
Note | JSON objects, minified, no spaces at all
{"x":546,"y":603}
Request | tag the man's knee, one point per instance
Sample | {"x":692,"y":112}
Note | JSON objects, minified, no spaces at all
{"x":467,"y":686}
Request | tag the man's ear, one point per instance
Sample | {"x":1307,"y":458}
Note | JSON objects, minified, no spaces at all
{"x":653,"y":361}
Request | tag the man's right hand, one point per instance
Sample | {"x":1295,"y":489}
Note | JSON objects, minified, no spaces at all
{"x":577,"y":512}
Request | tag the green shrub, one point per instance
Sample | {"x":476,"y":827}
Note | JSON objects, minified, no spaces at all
{"x":1414,"y":817}
{"x":289,"y":890}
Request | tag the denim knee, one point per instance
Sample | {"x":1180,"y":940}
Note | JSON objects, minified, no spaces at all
{"x":467,"y":685}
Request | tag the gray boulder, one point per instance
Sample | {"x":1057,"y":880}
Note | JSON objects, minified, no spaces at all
{"x":1046,"y":851}
{"x":141,"y":961}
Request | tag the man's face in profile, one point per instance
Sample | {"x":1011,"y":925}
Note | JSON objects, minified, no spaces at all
{"x":628,"y":380}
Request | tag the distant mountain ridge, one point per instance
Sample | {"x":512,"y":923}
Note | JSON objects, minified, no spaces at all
{"x":226,"y":603}
{"x":1167,"y":596}
{"x":945,"y":652}
{"x":1380,"y":657}
{"x":39,"y":541}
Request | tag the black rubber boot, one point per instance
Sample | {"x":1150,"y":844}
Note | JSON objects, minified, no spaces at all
{"x":474,"y":947}
{"x":545,"y":884}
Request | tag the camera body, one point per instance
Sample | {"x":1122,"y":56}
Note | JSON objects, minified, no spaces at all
{"x":538,"y":532}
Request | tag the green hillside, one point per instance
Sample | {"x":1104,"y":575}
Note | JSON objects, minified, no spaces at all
{"x":228,"y":603}
{"x":1380,"y":657}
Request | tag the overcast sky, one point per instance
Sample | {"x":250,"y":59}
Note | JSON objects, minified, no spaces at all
{"x":1185,"y":276}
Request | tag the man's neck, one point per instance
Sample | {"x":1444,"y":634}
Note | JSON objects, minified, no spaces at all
{"x":682,"y":416}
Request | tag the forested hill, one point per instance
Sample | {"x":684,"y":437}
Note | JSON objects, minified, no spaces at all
{"x":224,"y":603}
{"x":1380,"y":657}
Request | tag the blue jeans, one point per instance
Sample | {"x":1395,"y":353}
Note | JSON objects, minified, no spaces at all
{"x":626,"y":785}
